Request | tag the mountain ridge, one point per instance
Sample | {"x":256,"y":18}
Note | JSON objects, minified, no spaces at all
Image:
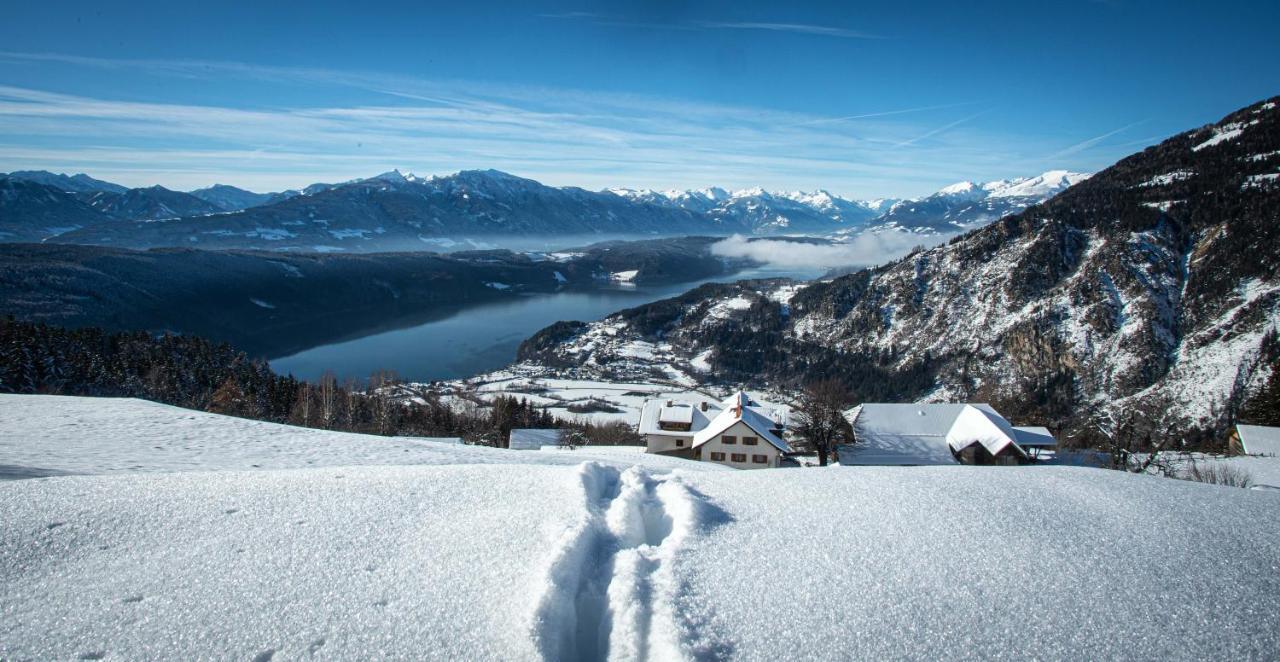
{"x":397,"y":211}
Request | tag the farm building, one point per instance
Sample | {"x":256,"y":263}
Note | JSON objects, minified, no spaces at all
{"x":928,"y":434}
{"x":738,"y":432}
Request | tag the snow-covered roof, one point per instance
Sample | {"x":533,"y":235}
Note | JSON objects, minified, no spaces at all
{"x":1032,"y":436}
{"x":985,"y":427}
{"x":678,"y":412}
{"x":1259,"y":439}
{"x":707,"y":419}
{"x":910,"y":419}
{"x":654,"y":412}
{"x":739,"y":399}
{"x":740,"y":407}
{"x":923,"y":434}
{"x":529,"y":439}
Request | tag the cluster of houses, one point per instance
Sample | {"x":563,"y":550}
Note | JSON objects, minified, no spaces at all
{"x":744,"y":433}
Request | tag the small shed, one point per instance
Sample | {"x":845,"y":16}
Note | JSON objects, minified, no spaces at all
{"x":1255,"y":440}
{"x":907,"y":434}
{"x":532,"y":439}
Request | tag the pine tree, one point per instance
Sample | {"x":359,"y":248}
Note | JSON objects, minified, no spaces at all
{"x":1264,"y":407}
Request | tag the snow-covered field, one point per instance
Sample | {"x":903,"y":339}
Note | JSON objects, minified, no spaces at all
{"x":540,"y":386}
{"x":468,"y":553}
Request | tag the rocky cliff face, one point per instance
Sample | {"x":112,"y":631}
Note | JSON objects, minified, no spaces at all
{"x":1150,"y":291}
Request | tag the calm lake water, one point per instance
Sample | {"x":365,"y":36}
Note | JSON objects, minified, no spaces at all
{"x":484,"y":337}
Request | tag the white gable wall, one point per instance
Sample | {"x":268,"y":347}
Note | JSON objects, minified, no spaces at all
{"x":738,"y":431}
{"x":661,"y":443}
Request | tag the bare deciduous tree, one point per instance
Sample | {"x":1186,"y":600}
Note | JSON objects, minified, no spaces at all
{"x":302,"y":408}
{"x":820,"y":417}
{"x":328,"y":399}
{"x":381,"y":399}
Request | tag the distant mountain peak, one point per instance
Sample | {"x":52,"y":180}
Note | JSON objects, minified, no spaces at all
{"x":958,"y":188}
{"x":77,"y":183}
{"x":393,"y":175}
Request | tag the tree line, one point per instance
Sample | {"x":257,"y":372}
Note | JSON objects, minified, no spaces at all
{"x":195,"y":373}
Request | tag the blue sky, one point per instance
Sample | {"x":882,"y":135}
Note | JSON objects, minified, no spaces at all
{"x":862,"y":99}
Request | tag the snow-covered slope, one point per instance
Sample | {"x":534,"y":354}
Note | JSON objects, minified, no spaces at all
{"x":48,"y":435}
{"x":149,"y":204}
{"x":529,"y":560}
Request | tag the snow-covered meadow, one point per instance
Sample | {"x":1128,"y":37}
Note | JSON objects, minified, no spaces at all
{"x":173,"y":544}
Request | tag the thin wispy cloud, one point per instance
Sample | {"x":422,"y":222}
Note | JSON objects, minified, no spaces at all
{"x":941,"y":129}
{"x":796,"y":28}
{"x":884,"y":113}
{"x":1086,"y":144}
{"x":799,"y":28}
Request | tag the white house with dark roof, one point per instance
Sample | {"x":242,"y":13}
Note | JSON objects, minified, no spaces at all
{"x":928,"y":434}
{"x":736,"y":432}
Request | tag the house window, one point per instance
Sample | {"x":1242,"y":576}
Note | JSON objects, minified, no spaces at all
{"x":679,"y":442}
{"x":717,"y":457}
{"x":739,"y":457}
{"x":760,"y":459}
{"x":728,"y":440}
{"x":750,"y":441}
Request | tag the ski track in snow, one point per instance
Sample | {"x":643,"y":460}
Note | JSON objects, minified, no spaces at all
{"x":610,"y":591}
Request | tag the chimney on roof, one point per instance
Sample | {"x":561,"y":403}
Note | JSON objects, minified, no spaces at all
{"x":671,"y":403}
{"x":703,"y":406}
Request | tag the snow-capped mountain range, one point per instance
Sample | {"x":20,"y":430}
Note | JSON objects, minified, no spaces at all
{"x":396,"y":210}
{"x":761,"y":211}
{"x":954,"y":208}
{"x":966,"y":205}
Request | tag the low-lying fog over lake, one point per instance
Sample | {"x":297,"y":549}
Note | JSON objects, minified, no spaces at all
{"x":485,"y":337}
